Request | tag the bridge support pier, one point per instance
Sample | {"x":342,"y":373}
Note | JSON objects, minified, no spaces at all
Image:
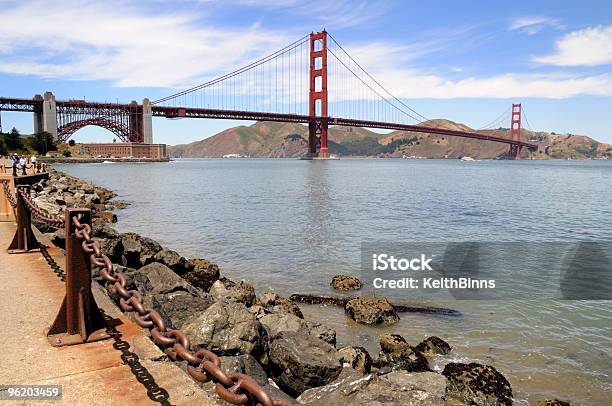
{"x":147,"y":121}
{"x":49,"y":115}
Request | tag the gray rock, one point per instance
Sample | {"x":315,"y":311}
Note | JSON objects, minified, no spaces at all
{"x":59,"y":238}
{"x":201,"y":273}
{"x":275,"y":303}
{"x":228,"y":328}
{"x":275,"y":323}
{"x":157,"y":278}
{"x":242,"y":292}
{"x":357,"y":358}
{"x":345,"y":283}
{"x":131,"y":252}
{"x":172,"y":260}
{"x":371,"y":310}
{"x":148,"y":246}
{"x":179,"y":307}
{"x":245,"y":364}
{"x":433,"y":345}
{"x":477,"y":384}
{"x":358,"y":390}
{"x":112,"y":248}
{"x":105,"y":231}
{"x":430,"y":382}
{"x":299,"y":361}
{"x":554,"y":402}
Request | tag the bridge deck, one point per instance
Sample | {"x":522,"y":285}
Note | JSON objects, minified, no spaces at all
{"x":94,"y":373}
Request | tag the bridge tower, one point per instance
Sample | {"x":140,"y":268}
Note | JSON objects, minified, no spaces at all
{"x":317,"y":97}
{"x":515,"y":131}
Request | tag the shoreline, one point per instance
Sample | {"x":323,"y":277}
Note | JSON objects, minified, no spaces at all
{"x":397,"y":359}
{"x":99,"y":160}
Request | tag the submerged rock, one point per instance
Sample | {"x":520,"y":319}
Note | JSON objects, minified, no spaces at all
{"x":299,"y":361}
{"x":345,"y":283}
{"x":228,"y":328}
{"x":477,"y":384}
{"x":357,"y":358}
{"x":434,"y":345}
{"x":554,"y":402}
{"x":396,"y":353}
{"x":371,"y":310}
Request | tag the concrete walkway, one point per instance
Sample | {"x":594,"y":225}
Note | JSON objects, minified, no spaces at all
{"x":90,"y":374}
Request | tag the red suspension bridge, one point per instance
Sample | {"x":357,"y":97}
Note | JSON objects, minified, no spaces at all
{"x":313,"y":81}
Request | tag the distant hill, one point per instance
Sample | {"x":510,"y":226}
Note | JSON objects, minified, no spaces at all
{"x":286,"y":140}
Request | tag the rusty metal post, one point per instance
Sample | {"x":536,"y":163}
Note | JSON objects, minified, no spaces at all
{"x":79,"y":319}
{"x":24,"y":240}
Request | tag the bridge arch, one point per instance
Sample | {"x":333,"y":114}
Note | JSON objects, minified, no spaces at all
{"x":66,"y":131}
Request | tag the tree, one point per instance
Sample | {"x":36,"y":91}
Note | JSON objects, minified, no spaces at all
{"x":42,"y":142}
{"x":13,"y":140}
{"x":72,"y":143}
{"x":67,"y":154}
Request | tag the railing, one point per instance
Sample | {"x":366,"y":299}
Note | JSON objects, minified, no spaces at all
{"x":24,"y":170}
{"x":79,"y":319}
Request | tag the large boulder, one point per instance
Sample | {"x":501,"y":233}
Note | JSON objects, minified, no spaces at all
{"x":354,"y":389}
{"x":228,"y":328}
{"x":113,"y":249}
{"x":178,"y":307}
{"x":477,"y":384}
{"x":244,"y":364}
{"x":433,"y":345}
{"x":241,"y":292}
{"x":141,"y":250}
{"x":275,"y":303}
{"x":397,"y":354}
{"x":275,"y":323}
{"x":158,"y":278}
{"x":371,"y":310}
{"x":299,"y":361}
{"x":107,"y":216}
{"x":172,"y":260}
{"x":59,"y":238}
{"x":357,"y":358}
{"x":430,"y":382}
{"x":201,"y":273}
{"x":345,"y":283}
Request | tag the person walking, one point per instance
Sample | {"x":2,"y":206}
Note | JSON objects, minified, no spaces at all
{"x":15,"y":160}
{"x":34,"y":166}
{"x":23,"y":164}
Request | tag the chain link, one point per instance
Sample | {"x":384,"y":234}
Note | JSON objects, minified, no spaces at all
{"x":202,"y":365}
{"x":40,"y":213}
{"x":7,"y":192}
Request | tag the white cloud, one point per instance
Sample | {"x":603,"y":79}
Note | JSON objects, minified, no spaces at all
{"x":533,"y":24}
{"x":122,"y":44}
{"x":588,"y":47}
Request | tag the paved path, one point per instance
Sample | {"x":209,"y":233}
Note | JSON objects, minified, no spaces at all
{"x":90,"y":374}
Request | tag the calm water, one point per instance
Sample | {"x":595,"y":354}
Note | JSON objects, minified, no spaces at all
{"x":291,"y":225}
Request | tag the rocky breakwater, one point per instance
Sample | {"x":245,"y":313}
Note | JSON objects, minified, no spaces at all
{"x":266,"y":335}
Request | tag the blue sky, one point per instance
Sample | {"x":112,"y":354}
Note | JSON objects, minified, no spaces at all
{"x":464,"y":61}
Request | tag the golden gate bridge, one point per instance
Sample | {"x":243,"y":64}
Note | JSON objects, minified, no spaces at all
{"x":312,"y":81}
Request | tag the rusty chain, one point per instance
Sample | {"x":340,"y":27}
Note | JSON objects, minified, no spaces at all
{"x":202,"y":365}
{"x":39,"y":212}
{"x":8,"y":193}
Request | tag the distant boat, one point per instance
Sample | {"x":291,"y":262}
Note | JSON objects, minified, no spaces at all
{"x":467,"y":159}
